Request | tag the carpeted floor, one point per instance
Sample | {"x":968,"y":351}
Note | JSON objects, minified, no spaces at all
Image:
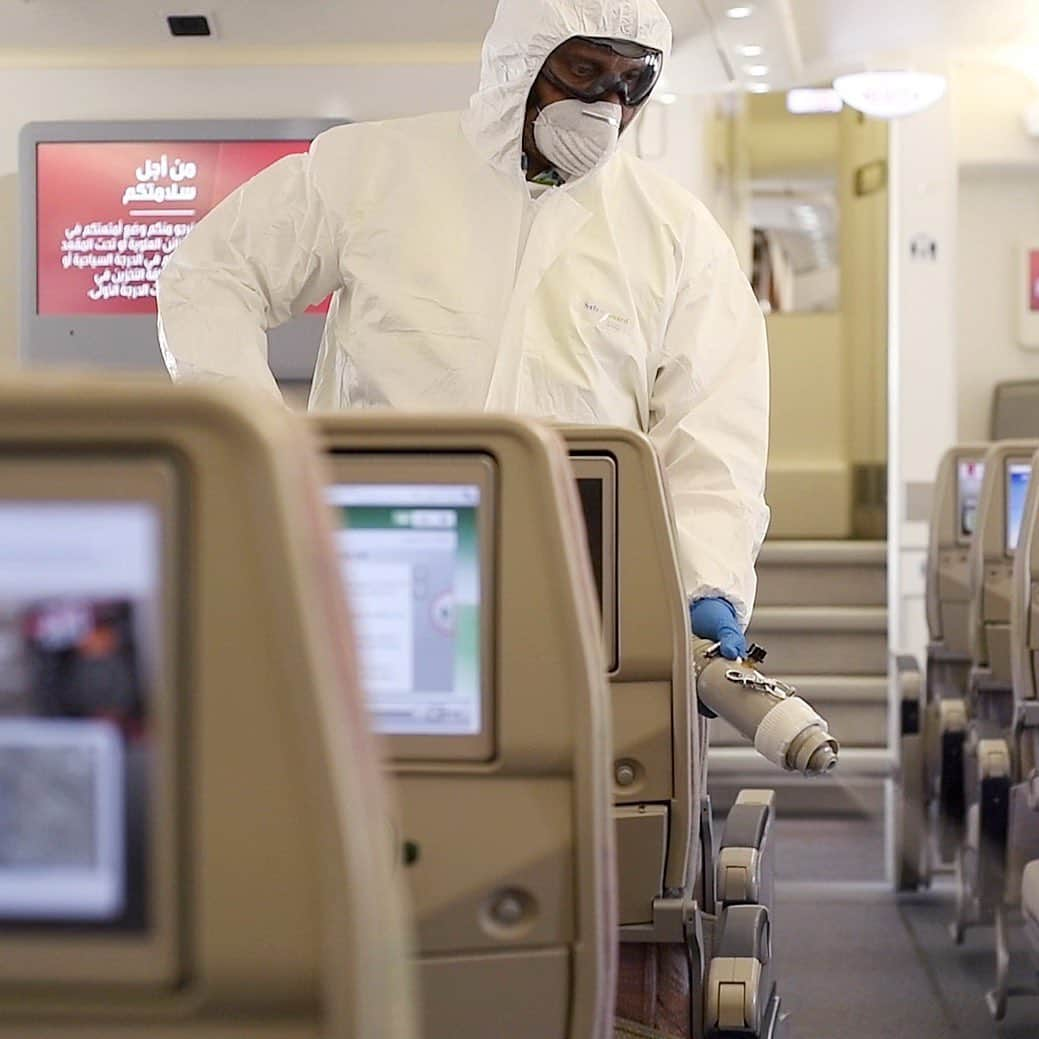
{"x":830,"y":851}
{"x":865,"y":964}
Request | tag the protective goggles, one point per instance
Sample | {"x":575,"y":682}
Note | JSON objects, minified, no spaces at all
{"x":591,"y":69}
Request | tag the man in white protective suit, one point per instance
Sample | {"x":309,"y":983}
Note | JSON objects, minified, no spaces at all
{"x":510,"y":258}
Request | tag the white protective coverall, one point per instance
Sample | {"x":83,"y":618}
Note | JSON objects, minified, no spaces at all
{"x":614,"y":299}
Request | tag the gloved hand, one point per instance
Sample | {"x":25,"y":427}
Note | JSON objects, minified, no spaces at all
{"x":715,"y":619}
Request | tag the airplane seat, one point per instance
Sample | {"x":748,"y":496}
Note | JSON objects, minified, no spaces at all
{"x":1030,"y":905}
{"x":933,"y":703}
{"x":196,"y":836}
{"x":1015,"y":410}
{"x":988,"y":751}
{"x":666,"y":863}
{"x":688,"y":906}
{"x":459,"y":539}
{"x":1022,"y":838}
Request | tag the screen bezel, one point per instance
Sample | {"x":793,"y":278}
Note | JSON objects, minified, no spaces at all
{"x":603,"y":468}
{"x":1011,"y":463}
{"x":96,"y":954}
{"x":962,"y":460}
{"x":115,"y":342}
{"x":478,"y":468}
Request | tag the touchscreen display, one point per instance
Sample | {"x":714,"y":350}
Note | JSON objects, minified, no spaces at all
{"x":410,"y":558}
{"x":971,"y":474}
{"x":1018,"y":474}
{"x":590,"y":492}
{"x":79,"y":585}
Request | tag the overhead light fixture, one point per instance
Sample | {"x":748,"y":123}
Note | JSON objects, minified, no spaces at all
{"x":758,"y":88}
{"x":756,"y":70}
{"x":750,"y":50}
{"x":739,"y":12}
{"x":890,"y":94}
{"x":813,"y":101}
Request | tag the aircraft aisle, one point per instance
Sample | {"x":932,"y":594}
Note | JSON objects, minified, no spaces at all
{"x":862,"y":963}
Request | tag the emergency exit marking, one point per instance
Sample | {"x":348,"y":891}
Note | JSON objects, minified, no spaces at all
{"x":923,"y":247}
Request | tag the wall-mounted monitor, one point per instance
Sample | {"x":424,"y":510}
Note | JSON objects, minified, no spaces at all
{"x":416,"y":544}
{"x":970,"y":474}
{"x":1018,"y":474}
{"x":596,"y":477}
{"x":104,"y":205}
{"x":88,"y":857}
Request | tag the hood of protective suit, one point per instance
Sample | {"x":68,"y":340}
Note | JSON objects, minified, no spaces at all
{"x":524,"y":34}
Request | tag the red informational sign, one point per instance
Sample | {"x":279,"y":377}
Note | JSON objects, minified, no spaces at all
{"x":110,"y":214}
{"x":1033,"y":280}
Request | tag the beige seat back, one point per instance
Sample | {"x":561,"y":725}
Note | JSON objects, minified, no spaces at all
{"x":1030,"y":906}
{"x":1015,"y":410}
{"x":657,"y":742}
{"x":991,"y":563}
{"x":1024,"y":609}
{"x":1023,"y":821}
{"x":505,"y":807}
{"x":953,"y":520}
{"x":201,"y":830}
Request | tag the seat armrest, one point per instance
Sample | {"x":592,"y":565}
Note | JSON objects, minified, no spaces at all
{"x":1022,"y":842}
{"x":1030,"y":889}
{"x":744,"y":932}
{"x":745,"y":869}
{"x":912,"y":825}
{"x":746,"y":825}
{"x":1031,"y":907}
{"x":739,"y":982}
{"x":1027,"y":714}
{"x":910,"y":692}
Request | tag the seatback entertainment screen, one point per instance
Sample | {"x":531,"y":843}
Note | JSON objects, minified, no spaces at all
{"x":971,"y":473}
{"x":79,"y":583}
{"x":1018,"y":476}
{"x":411,"y":564}
{"x":590,"y":492}
{"x":596,"y":480}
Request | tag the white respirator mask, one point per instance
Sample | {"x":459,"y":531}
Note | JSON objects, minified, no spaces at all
{"x":576,"y":136}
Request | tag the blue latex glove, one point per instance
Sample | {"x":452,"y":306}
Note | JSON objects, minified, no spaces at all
{"x":715,"y":619}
